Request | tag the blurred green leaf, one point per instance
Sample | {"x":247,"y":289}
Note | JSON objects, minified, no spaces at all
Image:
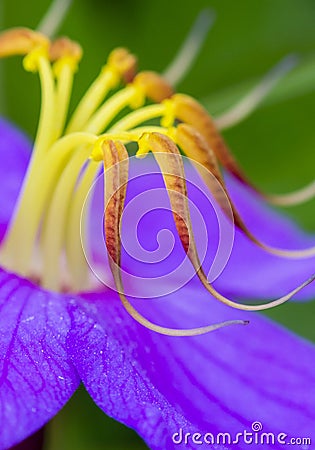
{"x":81,"y":425}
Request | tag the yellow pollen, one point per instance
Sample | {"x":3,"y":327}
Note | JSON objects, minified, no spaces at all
{"x":144,"y":146}
{"x":31,"y":62}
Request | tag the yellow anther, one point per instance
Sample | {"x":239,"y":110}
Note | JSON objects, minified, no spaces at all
{"x":63,"y":52}
{"x":150,"y":141}
{"x":122,"y":63}
{"x":31,"y":61}
{"x":21,"y":41}
{"x":124,"y":136}
{"x":97,"y":150}
{"x":154,"y":86}
{"x":143,"y":145}
{"x":169,"y":116}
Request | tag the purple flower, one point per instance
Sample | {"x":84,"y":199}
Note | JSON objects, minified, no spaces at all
{"x":166,"y":388}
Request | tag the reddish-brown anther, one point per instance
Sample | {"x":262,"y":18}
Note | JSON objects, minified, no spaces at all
{"x":154,"y":86}
{"x":20,"y":41}
{"x":64,"y":47}
{"x":170,"y":162}
{"x":195,"y":147}
{"x":124,"y":62}
{"x":116,"y":177}
{"x":189,"y":111}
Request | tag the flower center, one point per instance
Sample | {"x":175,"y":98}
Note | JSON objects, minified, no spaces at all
{"x":43,"y":239}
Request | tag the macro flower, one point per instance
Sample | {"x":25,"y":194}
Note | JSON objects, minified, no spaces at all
{"x":59,"y":325}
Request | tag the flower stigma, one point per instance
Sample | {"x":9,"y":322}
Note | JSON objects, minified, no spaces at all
{"x":43,"y":242}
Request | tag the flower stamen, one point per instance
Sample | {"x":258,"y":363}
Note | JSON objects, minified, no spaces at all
{"x":209,"y":147}
{"x":196,"y":148}
{"x":66,"y":160}
{"x":66,"y":55}
{"x":145,"y":85}
{"x":38,"y":61}
{"x":169,"y":159}
{"x":116,"y":179}
{"x":21,"y":41}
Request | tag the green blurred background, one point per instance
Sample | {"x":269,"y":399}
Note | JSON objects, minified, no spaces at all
{"x":276,"y":145}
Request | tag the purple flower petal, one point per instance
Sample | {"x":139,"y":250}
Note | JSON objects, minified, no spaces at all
{"x":220,"y":382}
{"x":36,"y":377}
{"x":15,"y":151}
